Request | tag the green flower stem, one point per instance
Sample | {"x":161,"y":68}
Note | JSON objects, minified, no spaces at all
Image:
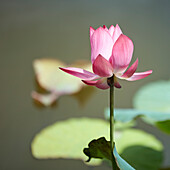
{"x":110,"y":82}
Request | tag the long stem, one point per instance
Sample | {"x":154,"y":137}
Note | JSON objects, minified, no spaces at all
{"x":111,"y":115}
{"x":111,"y":84}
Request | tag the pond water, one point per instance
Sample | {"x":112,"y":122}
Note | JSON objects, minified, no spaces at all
{"x":60,"y":29}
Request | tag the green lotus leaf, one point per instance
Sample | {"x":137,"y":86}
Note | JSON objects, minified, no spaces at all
{"x":122,"y":164}
{"x":54,"y":81}
{"x":142,"y":157}
{"x":155,"y":97}
{"x":100,"y":148}
{"x":128,"y":115}
{"x":66,"y":139}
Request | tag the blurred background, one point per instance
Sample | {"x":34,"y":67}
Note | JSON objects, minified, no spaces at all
{"x":60,"y":29}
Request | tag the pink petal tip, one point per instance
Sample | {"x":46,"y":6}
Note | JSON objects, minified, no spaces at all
{"x":138,"y":76}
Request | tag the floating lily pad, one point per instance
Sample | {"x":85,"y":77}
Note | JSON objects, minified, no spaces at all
{"x":131,"y":137}
{"x":127,"y":115}
{"x":155,"y":97}
{"x":66,"y":139}
{"x":140,"y":150}
{"x":164,"y":126}
{"x":55,"y":81}
{"x":152,"y":103}
{"x":141,"y":157}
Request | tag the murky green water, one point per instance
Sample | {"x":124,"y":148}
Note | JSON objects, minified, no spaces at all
{"x":59,"y":29}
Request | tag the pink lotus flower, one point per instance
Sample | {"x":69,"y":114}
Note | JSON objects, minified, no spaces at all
{"x":111,"y":53}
